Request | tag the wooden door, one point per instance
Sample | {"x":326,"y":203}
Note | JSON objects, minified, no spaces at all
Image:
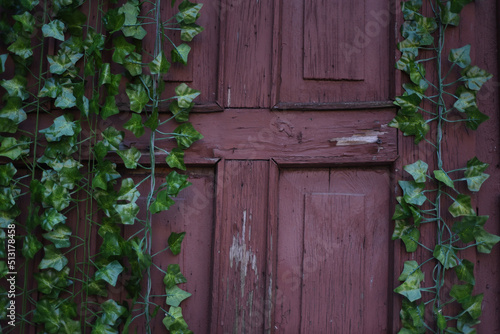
{"x":302,"y":160}
{"x":303,"y":166}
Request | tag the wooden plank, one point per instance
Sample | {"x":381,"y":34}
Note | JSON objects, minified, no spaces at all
{"x":370,"y":42}
{"x":248,"y":46}
{"x":328,"y":25}
{"x":332,"y":264}
{"x":293,"y":184}
{"x":333,"y":105}
{"x":305,"y":260}
{"x":241,"y":285}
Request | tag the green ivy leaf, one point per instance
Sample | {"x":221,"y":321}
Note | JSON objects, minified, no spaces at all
{"x":186,"y":135}
{"x":152,"y":121}
{"x":162,"y":202}
{"x":188,"y":12}
{"x":7,"y":172}
{"x":61,"y":127}
{"x":93,"y":43}
{"x":174,"y":321}
{"x":134,"y":125}
{"x":127,"y":212}
{"x":413,"y":125}
{"x":63,"y":61}
{"x":474,"y":174}
{"x":189,"y":31}
{"x":54,"y":29}
{"x":130,"y":157}
{"x":408,"y":104}
{"x":128,"y":191}
{"x":13,"y":111}
{"x":111,"y":245}
{"x":50,"y":218}
{"x":130,"y":28}
{"x":475,"y":77}
{"x":159,"y":65}
{"x":411,"y":286}
{"x":412,"y":192}
{"x":97,"y":288}
{"x":446,"y":255}
{"x":113,"y":20}
{"x":21,"y":47}
{"x":112,"y":138}
{"x":410,"y":238}
{"x":475,"y":118}
{"x":448,"y":17}
{"x":466,"y":99}
{"x":176,"y":295}
{"x":465,"y":272}
{"x":173,"y":276}
{"x":102,"y":328}
{"x":31,"y":246}
{"x":50,"y":89}
{"x":441,"y":175}
{"x":133,"y":64}
{"x":122,"y":49}
{"x":109,"y":273}
{"x":462,"y":206}
{"x":112,"y":312}
{"x":460,"y":56}
{"x":105,"y":74}
{"x":457,"y":5}
{"x":138,"y":97}
{"x":409,"y":268}
{"x":466,"y":227}
{"x":174,"y":242}
{"x":13,"y":148}
{"x":416,"y":32}
{"x":27,"y":21}
{"x":175,"y":159}
{"x":402,"y":210}
{"x":59,"y":236}
{"x":180,"y":114}
{"x":3,"y":59}
{"x":66,"y":99}
{"x":418,"y":170}
{"x":106,"y":172}
{"x":16,"y":87}
{"x":51,"y":282}
{"x":461,"y":292}
{"x":47,"y":312}
{"x":53,"y":259}
{"x":109,"y":108}
{"x":485,"y":240}
{"x":473,"y":306}
{"x":409,"y":46}
{"x":176,"y":182}
{"x":180,"y":53}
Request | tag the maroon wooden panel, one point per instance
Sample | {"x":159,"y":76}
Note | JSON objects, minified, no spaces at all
{"x":325,"y":36}
{"x":240,"y":254}
{"x":247,"y":48}
{"x":334,"y":233}
{"x":362,"y":52}
{"x":333,"y":257}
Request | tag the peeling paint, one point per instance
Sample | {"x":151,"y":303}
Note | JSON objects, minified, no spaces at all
{"x":228,"y":96}
{"x":369,"y":137}
{"x":239,"y":254}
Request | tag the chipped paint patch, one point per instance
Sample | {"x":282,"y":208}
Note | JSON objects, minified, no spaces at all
{"x":369,"y":137}
{"x":238,"y":254}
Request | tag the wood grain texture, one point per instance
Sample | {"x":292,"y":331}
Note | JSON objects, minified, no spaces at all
{"x":240,"y":304}
{"x":364,"y":38}
{"x":328,"y":27}
{"x":334,"y":233}
{"x":313,"y":212}
{"x":248,"y":46}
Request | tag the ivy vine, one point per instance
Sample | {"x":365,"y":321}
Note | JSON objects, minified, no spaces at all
{"x":70,"y":63}
{"x":441,"y":91}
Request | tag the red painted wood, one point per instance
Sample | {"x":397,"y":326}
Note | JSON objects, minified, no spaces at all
{"x":322,"y":216}
{"x":240,"y":304}
{"x":368,"y":43}
{"x":326,"y":39}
